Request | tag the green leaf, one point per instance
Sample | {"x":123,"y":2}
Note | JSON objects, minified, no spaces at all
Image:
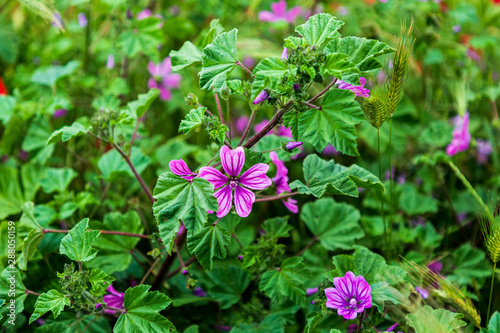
{"x":29,"y":246}
{"x":68,"y":322}
{"x":49,"y":75}
{"x":145,"y":38}
{"x":113,"y":167}
{"x":334,"y":123}
{"x":37,"y":135}
{"x":230,"y":283}
{"x":218,"y":59}
{"x":325,"y":176}
{"x":368,"y":264}
{"x":77,"y":244}
{"x":471,"y":266}
{"x":194,"y":119}
{"x":211,"y":241}
{"x":50,"y":301}
{"x":67,"y":132}
{"x":187,"y":55}
{"x":277,"y":227}
{"x":7,"y":106}
{"x":361,"y":51}
{"x":8,"y":277}
{"x":383,"y":292}
{"x":335,"y":224}
{"x":142,"y":312}
{"x":494,"y":324}
{"x":268,"y":73}
{"x":320,"y":29}
{"x":31,"y":175}
{"x":11,"y":198}
{"x":427,"y":319}
{"x":143,"y":102}
{"x":336,"y":64}
{"x":57,"y":179}
{"x":270,"y":324}
{"x":179,"y":200}
{"x":100,"y":281}
{"x":215,"y":29}
{"x":115,"y":250}
{"x":287,"y":282}
{"x":413,"y":203}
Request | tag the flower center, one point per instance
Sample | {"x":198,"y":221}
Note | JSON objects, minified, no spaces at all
{"x":353,"y":302}
{"x":233,"y":182}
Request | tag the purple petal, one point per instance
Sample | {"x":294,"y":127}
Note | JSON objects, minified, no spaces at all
{"x":214,"y":176}
{"x":243,"y":200}
{"x":110,"y":63}
{"x":172,"y":80}
{"x":268,"y":16}
{"x":112,"y":290}
{"x":255,"y":177}
{"x":179,"y":167}
{"x":153,"y":69}
{"x":347,"y":313}
{"x":424,"y":293}
{"x":291,"y":204}
{"x":224,"y":198}
{"x":261,"y":97}
{"x":311,"y":291}
{"x":144,"y":14}
{"x":293,"y":144}
{"x":60,"y":113}
{"x":82,"y":20}
{"x":165,"y":94}
{"x":279,"y":8}
{"x":232,"y":160}
{"x":292,"y":14}
{"x":284,"y":54}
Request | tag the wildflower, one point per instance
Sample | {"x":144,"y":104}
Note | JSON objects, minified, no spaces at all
{"x":261,"y":97}
{"x":456,"y":28}
{"x":461,"y":136}
{"x":281,"y":182}
{"x":293,"y":144}
{"x":248,"y":61}
{"x":358,"y":90}
{"x":424,"y":293}
{"x":284,"y":54}
{"x":254,"y":178}
{"x":82,"y":20}
{"x":199,"y":292}
{"x":115,"y":300}
{"x":241,"y":124}
{"x":110,"y":63}
{"x":311,"y":291}
{"x":279,"y":131}
{"x":342,"y":10}
{"x":163,"y":78}
{"x":59,"y":113}
{"x":473,"y":54}
{"x":147,"y":13}
{"x":351,"y":295}
{"x":180,"y":168}
{"x":483,"y":150}
{"x":278,"y":13}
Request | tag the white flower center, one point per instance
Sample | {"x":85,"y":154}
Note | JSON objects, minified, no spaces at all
{"x":233,"y":182}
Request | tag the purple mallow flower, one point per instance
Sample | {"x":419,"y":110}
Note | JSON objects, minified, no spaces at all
{"x":293,"y":144}
{"x":115,"y":300}
{"x":254,"y":178}
{"x":278,"y":13}
{"x":456,"y":29}
{"x":59,"y":113}
{"x":199,"y":292}
{"x":261,"y":97}
{"x":110,"y":63}
{"x":351,"y":295}
{"x":82,"y":20}
{"x":473,"y":54}
{"x":483,"y":150}
{"x":358,"y":90}
{"x":248,"y":61}
{"x":163,"y":78}
{"x":281,"y":182}
{"x":311,"y":291}
{"x":279,"y":131}
{"x":424,"y":293}
{"x":180,"y":168}
{"x":241,"y":124}
{"x":461,"y":135}
{"x":148,"y":13}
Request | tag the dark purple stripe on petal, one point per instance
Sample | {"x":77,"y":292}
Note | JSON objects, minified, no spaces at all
{"x":243,"y":200}
{"x":255,"y":177}
{"x":232,"y":160}
{"x":214,"y":176}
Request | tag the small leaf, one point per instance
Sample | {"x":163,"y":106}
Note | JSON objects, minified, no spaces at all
{"x":268,"y":73}
{"x":113,"y":167}
{"x":427,"y":319}
{"x":413,"y":203}
{"x":383,"y":292}
{"x":194,"y":119}
{"x":211,"y":241}
{"x":57,"y":179}
{"x":7,"y":106}
{"x":29,"y":246}
{"x":49,"y":75}
{"x":218,"y":59}
{"x":277,"y":227}
{"x":494,"y":324}
{"x":320,"y":29}
{"x":230,"y":283}
{"x":100,"y":281}
{"x":145,"y":37}
{"x":187,"y":55}
{"x":67,"y":132}
{"x":138,"y":107}
{"x":336,"y":64}
{"x":77,"y":244}
{"x":50,"y":301}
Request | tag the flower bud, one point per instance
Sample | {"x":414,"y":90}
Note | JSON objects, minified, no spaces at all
{"x":261,"y":97}
{"x":284,"y":54}
{"x":293,"y":144}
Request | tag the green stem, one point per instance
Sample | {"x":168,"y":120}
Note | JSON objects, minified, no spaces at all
{"x":491,"y":289}
{"x":381,"y":194}
{"x":469,"y":187}
{"x":390,"y":183}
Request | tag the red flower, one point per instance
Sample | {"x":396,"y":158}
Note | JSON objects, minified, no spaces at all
{"x":3,"y":89}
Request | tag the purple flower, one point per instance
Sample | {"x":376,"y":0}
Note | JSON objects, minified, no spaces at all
{"x":384,"y":1}
{"x":293,"y":144}
{"x":163,"y":78}
{"x":254,"y":178}
{"x":358,"y":90}
{"x":330,"y":150}
{"x":248,"y":61}
{"x":311,"y":291}
{"x":184,"y":271}
{"x":401,"y":179}
{"x":284,"y":54}
{"x":199,"y":292}
{"x":241,"y":124}
{"x":473,"y":54}
{"x":279,"y":131}
{"x":180,"y":168}
{"x":281,"y":182}
{"x":390,"y":329}
{"x":57,"y":21}
{"x":342,"y":10}
{"x":424,"y":293}
{"x":456,"y":28}
{"x":483,"y":150}
{"x":296,"y":86}
{"x":82,"y":20}
{"x":144,"y":14}
{"x":115,"y":300}
{"x":278,"y":12}
{"x":351,"y":295}
{"x":110,"y":63}
{"x":435,"y":266}
{"x":261,"y":97}
{"x":59,"y":113}
{"x":240,"y":257}
{"x":461,"y":136}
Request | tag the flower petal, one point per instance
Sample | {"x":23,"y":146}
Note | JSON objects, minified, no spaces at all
{"x":224,"y":198}
{"x":255,"y":177}
{"x":232,"y":160}
{"x":214,"y":176}
{"x":243,"y":200}
{"x":291,"y":204}
{"x":179,"y":167}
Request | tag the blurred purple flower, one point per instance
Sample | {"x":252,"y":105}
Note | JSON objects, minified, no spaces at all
{"x":293,"y":144}
{"x":248,"y":61}
{"x":261,"y":97}
{"x":435,"y":266}
{"x":424,"y":293}
{"x":279,"y":131}
{"x":384,"y":1}
{"x":473,"y":54}
{"x":184,"y":271}
{"x":163,"y":78}
{"x":311,"y":291}
{"x":199,"y":292}
{"x":144,"y":14}
{"x":129,"y":14}
{"x":342,"y":10}
{"x":278,"y":13}
{"x":401,"y":179}
{"x":82,"y":20}
{"x":484,"y":149}
{"x":456,"y":28}
{"x":254,"y":178}
{"x":284,"y":54}
{"x":416,"y":221}
{"x":57,"y":21}
{"x":240,"y":257}
{"x":358,"y":90}
{"x":296,"y":86}
{"x":281,"y":182}
{"x":241,"y":124}
{"x":110,"y":63}
{"x":180,"y":168}
{"x":59,"y":113}
{"x":115,"y":300}
{"x":351,"y":295}
{"x":461,"y":136}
